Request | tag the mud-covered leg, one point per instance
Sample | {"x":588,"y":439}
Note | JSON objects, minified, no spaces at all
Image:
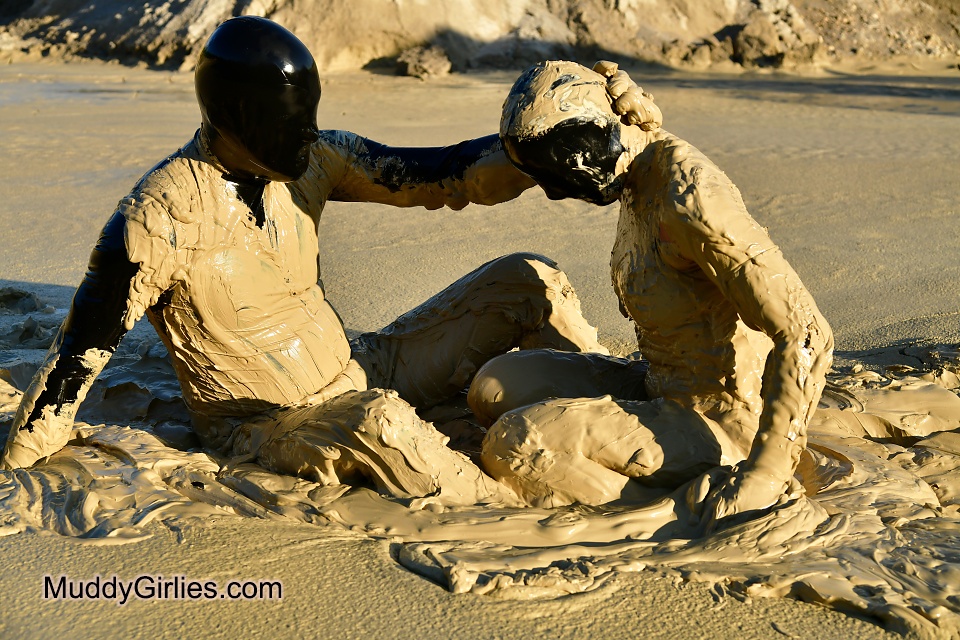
{"x":520,"y":378}
{"x":432,"y":352}
{"x":370,"y":437}
{"x":587,"y":450}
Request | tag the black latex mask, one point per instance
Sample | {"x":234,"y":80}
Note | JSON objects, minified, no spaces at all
{"x":258,"y":90}
{"x":574,"y":159}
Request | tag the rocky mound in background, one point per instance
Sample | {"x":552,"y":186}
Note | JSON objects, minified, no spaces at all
{"x":350,"y":34}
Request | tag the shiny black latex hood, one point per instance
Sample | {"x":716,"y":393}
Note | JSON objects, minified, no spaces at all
{"x":258,"y":90}
{"x":557,"y":126}
{"x":574,"y":159}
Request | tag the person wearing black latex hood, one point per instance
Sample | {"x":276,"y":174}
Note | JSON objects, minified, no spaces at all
{"x":736,"y":349}
{"x":258,"y":90}
{"x":217,"y":245}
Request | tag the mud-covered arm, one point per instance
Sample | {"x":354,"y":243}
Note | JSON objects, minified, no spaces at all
{"x":713,"y":229}
{"x":769,"y":297}
{"x":475,"y":171}
{"x":89,"y":335}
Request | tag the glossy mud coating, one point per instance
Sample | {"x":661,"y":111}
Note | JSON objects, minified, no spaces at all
{"x":884,"y":547}
{"x":223,"y":256}
{"x":242,"y":314}
{"x":738,"y":350}
{"x":217,"y":244}
{"x":866,"y":526}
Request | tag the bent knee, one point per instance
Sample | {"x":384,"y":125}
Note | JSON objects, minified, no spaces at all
{"x":511,"y":449}
{"x":383,"y":411}
{"x":484,"y":396}
{"x":521,"y":453}
{"x":522,"y":260}
{"x":510,"y":381}
{"x":526,"y":269}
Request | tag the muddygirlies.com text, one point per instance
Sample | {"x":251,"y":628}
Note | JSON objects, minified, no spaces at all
{"x":157,"y":587}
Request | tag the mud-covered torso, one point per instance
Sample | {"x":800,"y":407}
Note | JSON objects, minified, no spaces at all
{"x":701,"y":354}
{"x":238,"y":305}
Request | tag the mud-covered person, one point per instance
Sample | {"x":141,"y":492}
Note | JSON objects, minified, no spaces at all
{"x":736,"y":348}
{"x":217,"y":245}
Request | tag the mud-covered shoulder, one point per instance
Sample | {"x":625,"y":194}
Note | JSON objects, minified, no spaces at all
{"x":161,"y":214}
{"x":688,"y":169}
{"x":703,"y":211}
{"x":329,"y":156}
{"x":178,"y":183}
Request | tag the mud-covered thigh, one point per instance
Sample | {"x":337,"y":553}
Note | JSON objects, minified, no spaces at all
{"x":432,"y":352}
{"x":365,"y":437}
{"x":587,"y":449}
{"x":520,"y":378}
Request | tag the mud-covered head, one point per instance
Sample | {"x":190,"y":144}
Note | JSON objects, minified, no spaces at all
{"x":258,"y":90}
{"x":558,"y":127}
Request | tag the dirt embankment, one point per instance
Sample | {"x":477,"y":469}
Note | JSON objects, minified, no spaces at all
{"x":698,"y":34}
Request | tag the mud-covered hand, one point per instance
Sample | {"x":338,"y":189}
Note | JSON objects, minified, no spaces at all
{"x":744,"y":490}
{"x":493,"y":179}
{"x":89,"y":336}
{"x":634,"y":105}
{"x":44,"y":420}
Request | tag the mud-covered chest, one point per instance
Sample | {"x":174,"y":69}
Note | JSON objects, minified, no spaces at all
{"x":658,"y":288}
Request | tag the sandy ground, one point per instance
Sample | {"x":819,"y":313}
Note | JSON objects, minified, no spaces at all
{"x":854,"y":174}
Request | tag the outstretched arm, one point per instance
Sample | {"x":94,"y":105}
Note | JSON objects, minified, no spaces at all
{"x":89,"y":336}
{"x":475,"y":171}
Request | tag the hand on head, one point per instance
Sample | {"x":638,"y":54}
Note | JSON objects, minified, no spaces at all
{"x":560,"y":128}
{"x":629,"y":101}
